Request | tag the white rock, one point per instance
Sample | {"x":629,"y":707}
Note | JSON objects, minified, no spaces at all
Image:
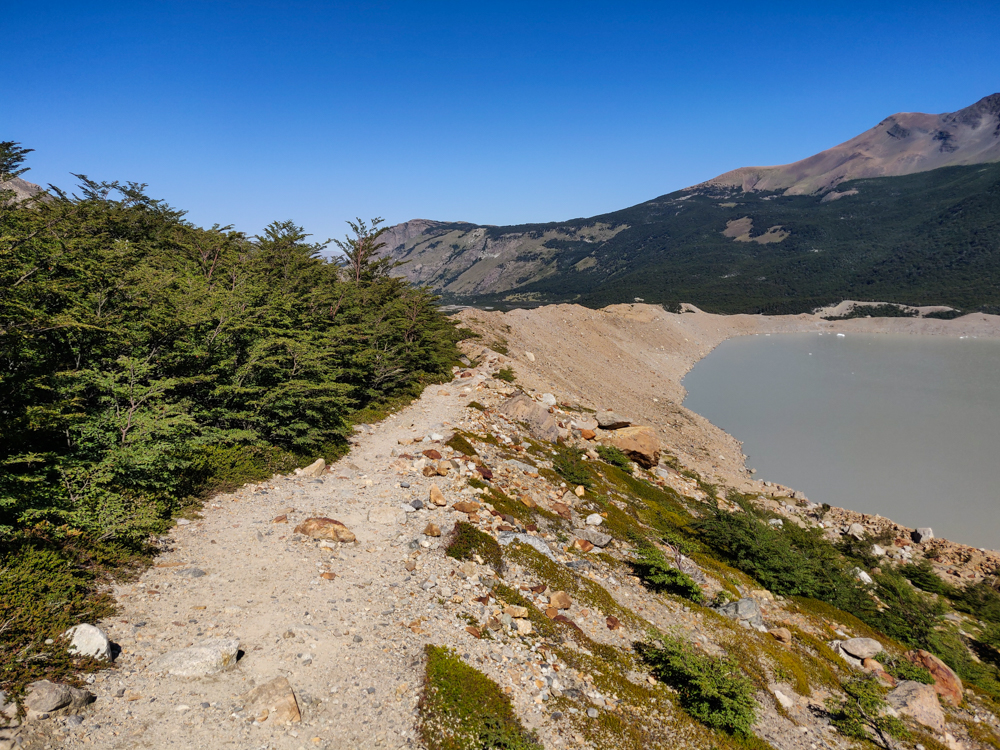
{"x":594,"y":519}
{"x":89,"y":640}
{"x":436,"y":437}
{"x":923,"y":535}
{"x":548,"y":399}
{"x":208,"y":657}
{"x":530,"y":356}
{"x":862,"y":576}
{"x":783,"y":699}
{"x":183,"y":522}
{"x":315,"y":469}
{"x":862,"y":648}
{"x":878,"y":551}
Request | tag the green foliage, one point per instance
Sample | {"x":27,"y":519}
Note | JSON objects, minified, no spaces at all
{"x":570,"y":466}
{"x":615,"y":457}
{"x":466,"y":540}
{"x":860,"y":717}
{"x":714,"y":690}
{"x":12,"y":155}
{"x":922,"y":575}
{"x":658,"y":574}
{"x":904,"y":669}
{"x":463,"y":709}
{"x":476,"y":405}
{"x":505,"y":374}
{"x":457,"y":442}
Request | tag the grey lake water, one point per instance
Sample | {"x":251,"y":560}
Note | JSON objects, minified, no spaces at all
{"x":904,"y":426}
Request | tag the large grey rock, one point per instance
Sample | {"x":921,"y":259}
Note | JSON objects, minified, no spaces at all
{"x":583,"y":422}
{"x":521,"y":466}
{"x":608,"y":420}
{"x":45,"y":698}
{"x":595,"y":537}
{"x":743,"y":610}
{"x":862,"y":648}
{"x":923,"y":535}
{"x":521,"y":408}
{"x":508,"y":537}
{"x":208,"y":657}
{"x":89,"y":640}
{"x":857,"y":531}
{"x":918,"y":701}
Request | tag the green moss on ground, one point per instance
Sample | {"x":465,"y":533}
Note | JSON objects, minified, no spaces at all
{"x":459,"y":443}
{"x":466,"y":540}
{"x":463,"y":709}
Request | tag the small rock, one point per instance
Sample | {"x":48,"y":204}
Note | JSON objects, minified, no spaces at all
{"x":432,"y":529}
{"x":208,"y":657}
{"x":857,"y":531}
{"x":45,"y":697}
{"x":506,"y":537}
{"x":583,"y":545}
{"x":183,"y":522}
{"x":325,"y":528}
{"x":608,"y":420}
{"x":781,"y":635}
{"x":562,"y":509}
{"x":437,"y":497}
{"x":595,"y":537}
{"x":785,"y":702}
{"x":529,"y":356}
{"x":274,"y":700}
{"x":639,"y":443}
{"x":592,"y":713}
{"x":612,"y":622}
{"x":315,"y":469}
{"x":190,"y":573}
{"x":528,"y":501}
{"x":743,"y":611}
{"x":410,"y":566}
{"x":89,"y":640}
{"x":328,"y":576}
{"x":405,"y":485}
{"x":595,"y":519}
{"x":433,"y":454}
{"x":862,"y":648}
{"x":466,"y":506}
{"x":548,"y":399}
{"x":878,"y":551}
{"x":922,"y":535}
{"x":862,"y":576}
{"x":417,"y":504}
{"x":560,"y":600}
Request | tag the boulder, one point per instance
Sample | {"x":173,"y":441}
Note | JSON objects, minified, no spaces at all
{"x":88,"y":640}
{"x":608,"y":420}
{"x":743,"y":611}
{"x":325,"y":528}
{"x":547,"y":399}
{"x":922,"y":535}
{"x":919,"y":702}
{"x":521,"y":408}
{"x":437,"y":496}
{"x":856,"y":530}
{"x":272,"y":703}
{"x":595,"y":537}
{"x":862,"y":648}
{"x":206,"y":658}
{"x":585,"y":422}
{"x":946,"y":682}
{"x":315,"y":469}
{"x":638,"y":443}
{"x":781,"y":635}
{"x":44,"y":697}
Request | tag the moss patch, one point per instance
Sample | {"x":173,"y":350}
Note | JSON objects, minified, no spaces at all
{"x":466,"y":540}
{"x":458,"y":443}
{"x":463,"y":709}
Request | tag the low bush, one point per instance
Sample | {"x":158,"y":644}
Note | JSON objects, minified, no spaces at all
{"x":904,"y":669}
{"x":457,"y":442}
{"x":656,"y":572}
{"x":615,"y":457}
{"x":570,"y":466}
{"x":463,"y":709}
{"x":714,"y":690}
{"x":505,"y":374}
{"x":466,"y":541}
{"x":861,"y":715}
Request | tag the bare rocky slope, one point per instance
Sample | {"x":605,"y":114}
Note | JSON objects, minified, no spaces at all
{"x":252,"y":630}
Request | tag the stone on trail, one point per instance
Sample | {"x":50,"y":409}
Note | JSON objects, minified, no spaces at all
{"x":437,"y":496}
{"x":45,"y":697}
{"x":272,"y":703}
{"x":325,"y":528}
{"x":432,"y":529}
{"x":862,"y":648}
{"x":89,"y":640}
{"x":206,"y":658}
{"x":466,"y":506}
{"x":946,"y":682}
{"x":638,"y":443}
{"x":315,"y":469}
{"x":919,"y":702}
{"x":521,"y":408}
{"x":608,"y":420}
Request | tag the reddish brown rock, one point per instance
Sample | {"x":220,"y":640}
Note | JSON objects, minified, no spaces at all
{"x":484,"y":472}
{"x":638,"y":443}
{"x":465,"y":506}
{"x":431,"y":453}
{"x":588,"y":434}
{"x":328,"y":576}
{"x":325,"y":528}
{"x":562,"y":509}
{"x":551,"y":612}
{"x":283,"y":518}
{"x":946,"y":682}
{"x":528,"y":501}
{"x":583,"y":545}
{"x":613,"y":623}
{"x":432,"y":529}
{"x":474,"y":632}
{"x":781,"y":635}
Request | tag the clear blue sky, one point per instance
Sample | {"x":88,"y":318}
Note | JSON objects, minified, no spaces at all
{"x":246,"y":112}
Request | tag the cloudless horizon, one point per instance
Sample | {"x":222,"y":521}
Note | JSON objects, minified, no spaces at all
{"x":250,"y":112}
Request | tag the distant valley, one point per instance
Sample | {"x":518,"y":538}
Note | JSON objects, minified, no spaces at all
{"x":907,"y":212}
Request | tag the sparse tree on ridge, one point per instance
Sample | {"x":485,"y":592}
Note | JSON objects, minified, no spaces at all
{"x":361,"y":250}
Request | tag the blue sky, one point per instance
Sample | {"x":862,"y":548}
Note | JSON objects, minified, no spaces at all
{"x":247,"y":112}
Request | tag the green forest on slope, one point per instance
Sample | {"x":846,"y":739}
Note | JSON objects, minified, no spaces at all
{"x":145,"y":362}
{"x":931,"y":238}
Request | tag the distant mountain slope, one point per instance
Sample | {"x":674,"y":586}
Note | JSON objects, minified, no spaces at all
{"x":22,"y":188}
{"x":779,"y":240}
{"x":904,"y":143}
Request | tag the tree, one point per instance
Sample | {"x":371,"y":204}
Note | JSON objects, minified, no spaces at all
{"x":11,"y":157}
{"x":361,"y":250}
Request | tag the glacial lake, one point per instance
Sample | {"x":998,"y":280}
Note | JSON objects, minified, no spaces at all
{"x":904,"y":426}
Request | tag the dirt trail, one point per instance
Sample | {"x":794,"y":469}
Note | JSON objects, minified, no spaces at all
{"x":355,"y":670}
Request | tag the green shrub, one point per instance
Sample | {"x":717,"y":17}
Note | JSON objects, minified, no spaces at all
{"x":570,"y":466}
{"x":460,"y":708}
{"x":861,"y":715}
{"x":457,"y":442}
{"x":466,"y":540}
{"x":476,"y":405}
{"x":615,"y":457}
{"x":505,"y":374}
{"x":904,"y":669}
{"x":658,"y":574}
{"x":714,"y":690}
{"x":922,"y":575}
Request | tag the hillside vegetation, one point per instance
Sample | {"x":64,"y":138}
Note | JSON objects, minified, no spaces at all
{"x":929,"y":238}
{"x":145,"y":362}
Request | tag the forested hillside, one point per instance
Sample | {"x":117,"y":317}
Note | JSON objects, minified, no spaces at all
{"x":145,"y":361}
{"x":931,"y":238}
